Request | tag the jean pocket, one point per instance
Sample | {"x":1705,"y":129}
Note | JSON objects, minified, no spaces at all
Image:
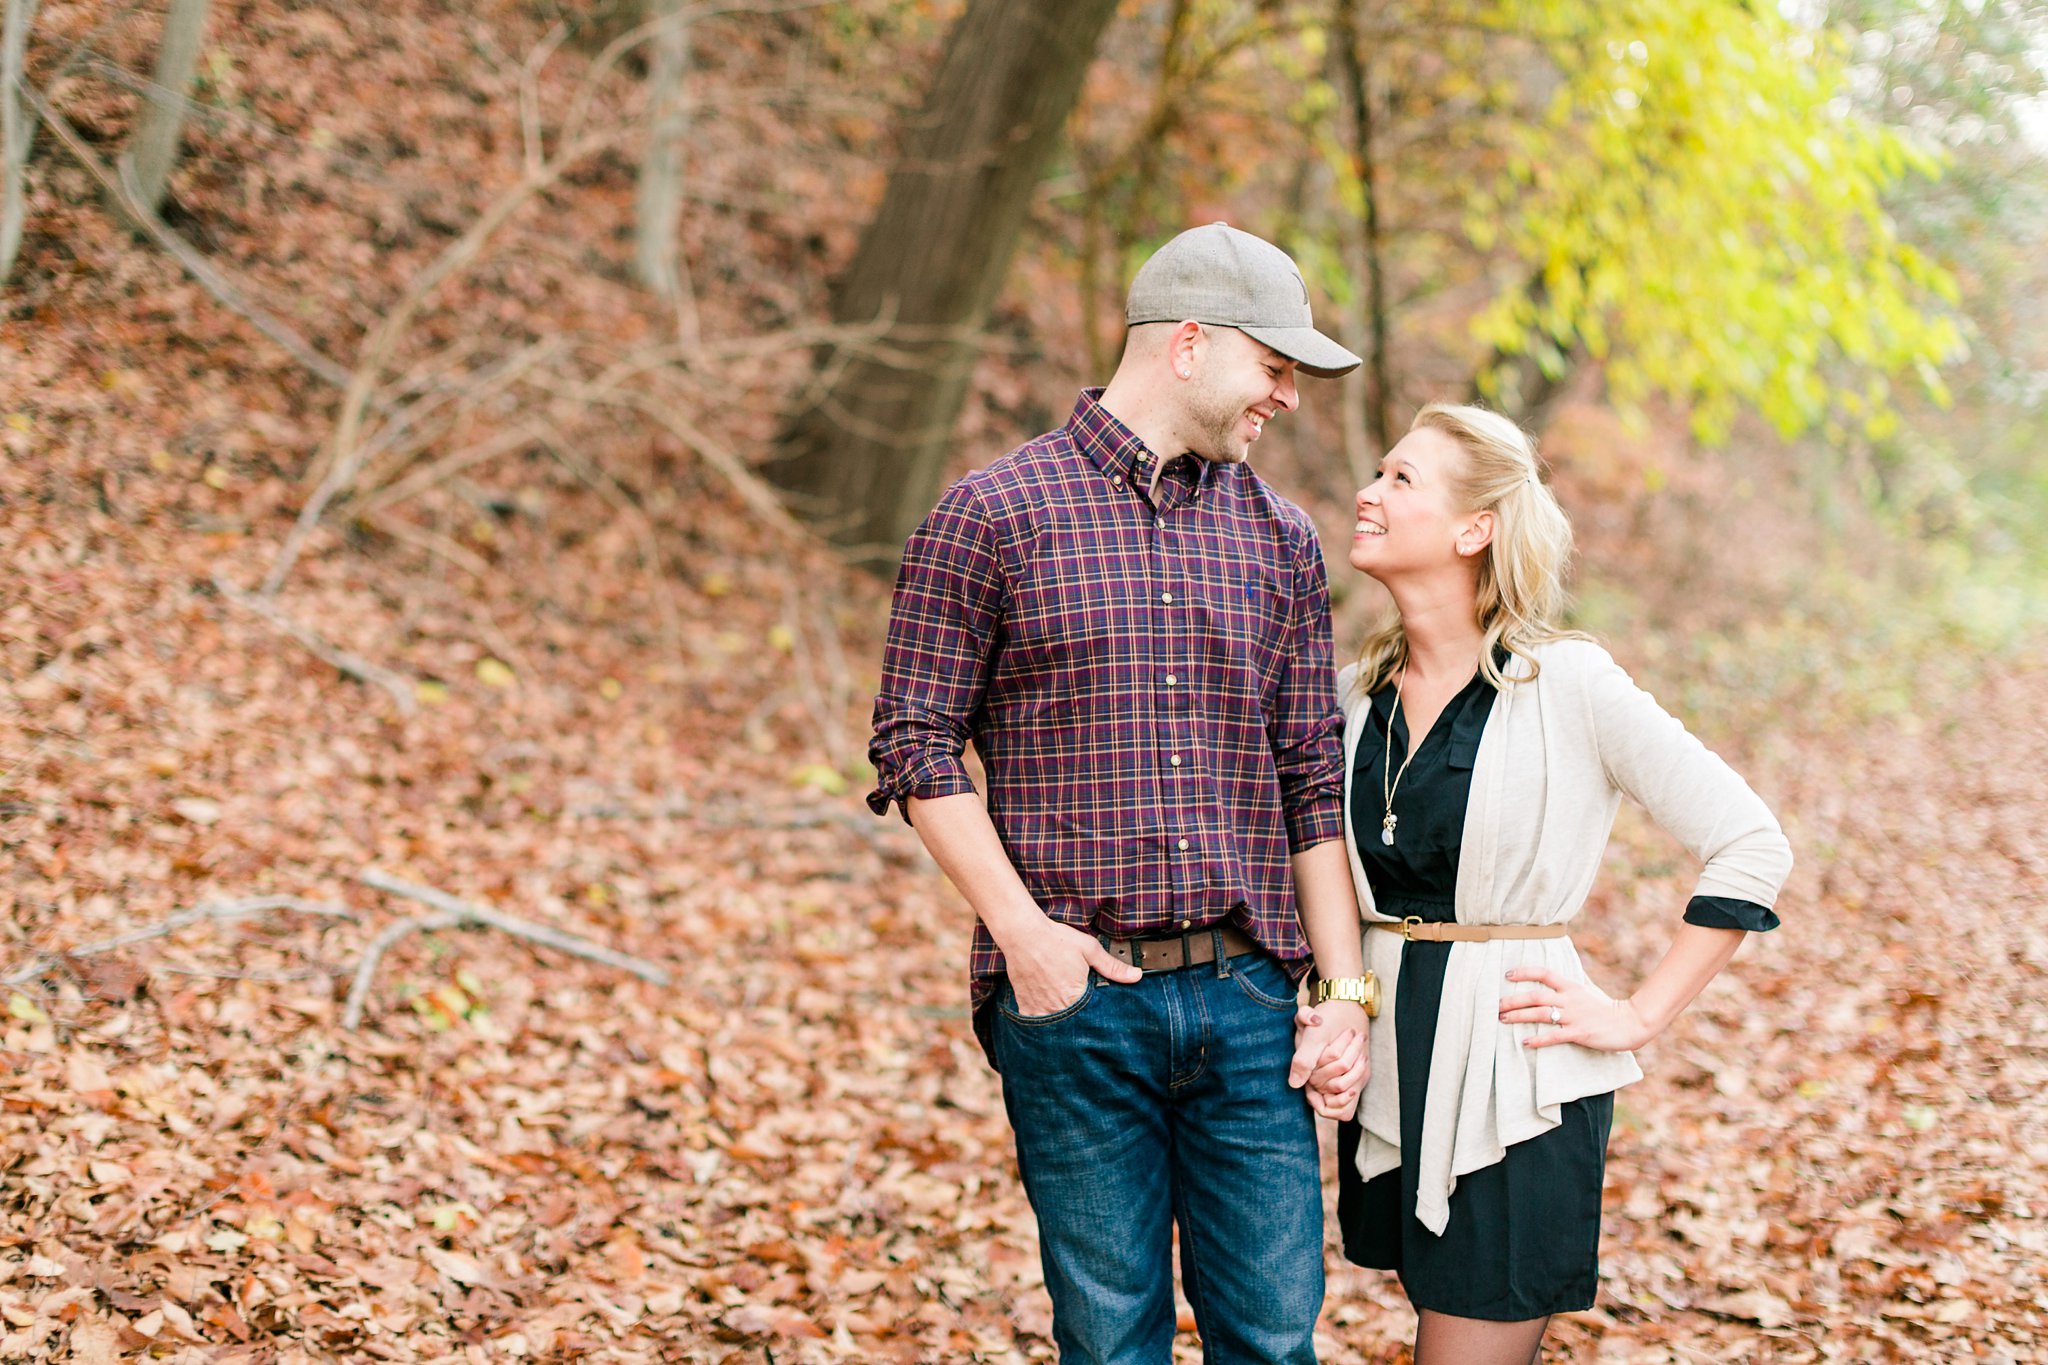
{"x":1007,"y":1003}
{"x":1276,"y":979}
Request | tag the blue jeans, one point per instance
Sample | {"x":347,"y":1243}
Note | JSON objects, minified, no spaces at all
{"x":1142,"y":1106}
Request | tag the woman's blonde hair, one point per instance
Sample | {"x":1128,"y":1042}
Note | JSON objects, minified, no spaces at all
{"x":1521,"y":577}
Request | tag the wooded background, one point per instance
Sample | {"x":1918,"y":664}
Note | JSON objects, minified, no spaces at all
{"x":454,"y":455}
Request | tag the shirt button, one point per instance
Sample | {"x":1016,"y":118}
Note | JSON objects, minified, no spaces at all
{"x":1187,"y":924}
{"x":1175,"y":760}
{"x":1171,"y":679}
{"x":1159,"y":523}
{"x":1183,"y":845}
{"x":1166,"y":597}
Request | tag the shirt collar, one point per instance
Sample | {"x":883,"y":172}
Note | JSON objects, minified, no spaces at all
{"x":1117,"y":450}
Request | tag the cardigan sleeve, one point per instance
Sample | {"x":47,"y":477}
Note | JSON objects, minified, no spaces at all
{"x":1653,"y":759}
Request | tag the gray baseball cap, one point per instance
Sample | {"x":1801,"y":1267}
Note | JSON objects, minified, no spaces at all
{"x":1219,"y":275}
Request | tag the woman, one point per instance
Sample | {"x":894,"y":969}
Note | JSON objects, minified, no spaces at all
{"x":1487,"y":749}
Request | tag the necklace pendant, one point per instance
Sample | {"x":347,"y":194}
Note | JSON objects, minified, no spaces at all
{"x":1387,"y":828}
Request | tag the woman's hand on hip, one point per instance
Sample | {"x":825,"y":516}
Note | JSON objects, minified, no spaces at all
{"x":1567,"y":1011}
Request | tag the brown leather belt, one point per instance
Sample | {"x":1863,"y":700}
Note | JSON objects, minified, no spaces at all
{"x":1191,"y":949}
{"x":1418,"y":930}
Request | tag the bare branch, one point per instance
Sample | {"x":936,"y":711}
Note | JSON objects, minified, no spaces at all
{"x":609,"y":488}
{"x":433,"y":542}
{"x":752,"y":489}
{"x":121,"y":187}
{"x":198,"y":914}
{"x":366,"y":970}
{"x":401,"y":688}
{"x":455,"y":912}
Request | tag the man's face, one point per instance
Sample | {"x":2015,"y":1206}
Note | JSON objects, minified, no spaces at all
{"x":1238,"y":385}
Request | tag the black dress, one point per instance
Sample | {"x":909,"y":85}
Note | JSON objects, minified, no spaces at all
{"x":1523,"y":1239}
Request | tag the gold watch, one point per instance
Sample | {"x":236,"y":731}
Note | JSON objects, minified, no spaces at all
{"x":1359,"y":990}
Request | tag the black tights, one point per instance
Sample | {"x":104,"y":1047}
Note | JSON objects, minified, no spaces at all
{"x":1441,"y":1339}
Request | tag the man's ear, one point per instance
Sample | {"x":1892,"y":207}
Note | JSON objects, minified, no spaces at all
{"x":1186,"y":348}
{"x":1477,"y":535}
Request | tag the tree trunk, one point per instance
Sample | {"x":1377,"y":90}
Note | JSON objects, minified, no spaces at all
{"x":658,"y":206}
{"x":863,"y":453}
{"x":1379,"y":397}
{"x":153,"y":147}
{"x":17,"y":128}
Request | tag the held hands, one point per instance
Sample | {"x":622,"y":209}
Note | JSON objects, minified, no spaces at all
{"x":1573,"y":1012}
{"x":1049,"y":965}
{"x":1330,"y":1056}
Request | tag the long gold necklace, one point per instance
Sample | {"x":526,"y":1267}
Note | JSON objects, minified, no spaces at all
{"x":1387,"y":789}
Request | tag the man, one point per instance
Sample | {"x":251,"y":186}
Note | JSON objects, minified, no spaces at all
{"x":1134,"y":631}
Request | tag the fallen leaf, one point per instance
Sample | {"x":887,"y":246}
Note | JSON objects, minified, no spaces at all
{"x":198,"y":810}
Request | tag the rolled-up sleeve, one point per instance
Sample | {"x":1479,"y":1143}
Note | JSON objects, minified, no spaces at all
{"x":942,"y":624}
{"x":1306,"y":727}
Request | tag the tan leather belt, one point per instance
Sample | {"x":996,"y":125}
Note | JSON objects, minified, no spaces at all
{"x":1418,"y":930}
{"x":1191,"y":949}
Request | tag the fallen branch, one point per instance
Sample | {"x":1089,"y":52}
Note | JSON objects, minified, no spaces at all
{"x":433,"y":542}
{"x":120,"y":184}
{"x":456,"y":913}
{"x":642,"y":526}
{"x":401,"y":688}
{"x":366,"y":970}
{"x":225,"y":910}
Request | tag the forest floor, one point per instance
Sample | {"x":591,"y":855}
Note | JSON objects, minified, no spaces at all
{"x":795,"y":1152}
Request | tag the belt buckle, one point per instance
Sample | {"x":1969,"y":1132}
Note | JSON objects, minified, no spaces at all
{"x":1408,"y":927}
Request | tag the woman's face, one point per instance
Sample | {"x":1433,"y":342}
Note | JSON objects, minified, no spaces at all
{"x":1408,"y":521}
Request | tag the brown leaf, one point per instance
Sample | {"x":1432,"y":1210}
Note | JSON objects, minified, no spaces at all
{"x":776,"y":1322}
{"x":95,"y":1341}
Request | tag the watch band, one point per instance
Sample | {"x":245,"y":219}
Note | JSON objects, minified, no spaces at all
{"x":1359,"y":990}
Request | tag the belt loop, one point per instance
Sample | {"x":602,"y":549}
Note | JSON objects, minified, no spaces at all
{"x":1222,"y":953}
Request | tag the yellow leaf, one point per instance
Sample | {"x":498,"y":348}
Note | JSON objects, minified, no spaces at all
{"x":19,"y":421}
{"x":492,"y":673}
{"x":822,"y":776}
{"x":21,"y":1007}
{"x":597,"y":894}
{"x":431,"y":693}
{"x":449,"y":1217}
{"x":610,"y":689}
{"x":781,"y":639}
{"x":159,"y":460}
{"x":715,"y":584}
{"x":216,"y":476}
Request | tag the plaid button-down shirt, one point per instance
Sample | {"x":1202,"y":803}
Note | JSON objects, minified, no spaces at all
{"x":1146,"y":677}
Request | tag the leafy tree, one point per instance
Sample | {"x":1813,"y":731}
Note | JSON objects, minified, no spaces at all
{"x":1702,"y":209}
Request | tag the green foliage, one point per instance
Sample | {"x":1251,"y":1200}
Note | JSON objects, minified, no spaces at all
{"x":1702,"y":209}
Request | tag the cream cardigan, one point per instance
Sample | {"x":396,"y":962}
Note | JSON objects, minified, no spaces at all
{"x":1557,"y":755}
